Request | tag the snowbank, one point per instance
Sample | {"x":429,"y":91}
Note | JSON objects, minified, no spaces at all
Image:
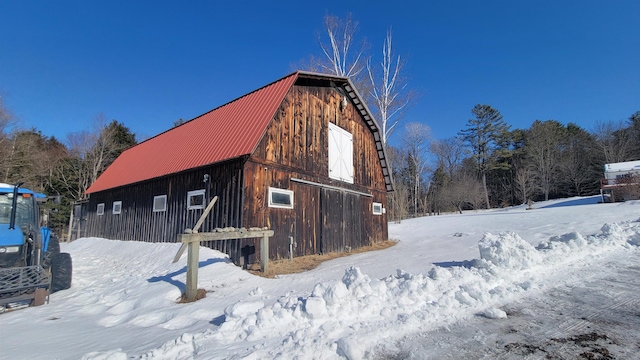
{"x":336,"y":317}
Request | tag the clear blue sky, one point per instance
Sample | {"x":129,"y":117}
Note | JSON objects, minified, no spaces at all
{"x":149,"y":63}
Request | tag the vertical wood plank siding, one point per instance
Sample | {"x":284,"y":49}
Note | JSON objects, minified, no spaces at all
{"x":296,"y":146}
{"x":137,"y":221}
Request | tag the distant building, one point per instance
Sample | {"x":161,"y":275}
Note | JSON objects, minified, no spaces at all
{"x":621,"y":181}
{"x":302,"y":156}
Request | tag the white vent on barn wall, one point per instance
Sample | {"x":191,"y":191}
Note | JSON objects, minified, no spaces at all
{"x":340,"y":154}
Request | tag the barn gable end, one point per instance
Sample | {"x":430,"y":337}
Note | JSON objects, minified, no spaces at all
{"x":328,"y":214}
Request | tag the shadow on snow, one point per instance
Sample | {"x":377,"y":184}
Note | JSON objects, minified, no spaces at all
{"x":180,"y":285}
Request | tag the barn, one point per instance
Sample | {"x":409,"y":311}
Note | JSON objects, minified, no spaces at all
{"x":302,"y":156}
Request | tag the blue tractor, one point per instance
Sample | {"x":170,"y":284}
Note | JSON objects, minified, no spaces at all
{"x":31,"y":264}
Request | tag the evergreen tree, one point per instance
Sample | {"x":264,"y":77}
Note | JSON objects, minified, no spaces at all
{"x":483,"y":133}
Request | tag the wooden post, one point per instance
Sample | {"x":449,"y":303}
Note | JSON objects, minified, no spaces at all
{"x":70,"y":223}
{"x":193,"y":257}
{"x":264,"y":253}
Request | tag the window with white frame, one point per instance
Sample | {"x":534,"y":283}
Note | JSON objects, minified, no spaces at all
{"x":340,"y":154}
{"x":377,"y":208}
{"x":160,"y":203}
{"x":195,"y":199}
{"x":100,"y":209}
{"x":117,"y":207}
{"x":280,"y":198}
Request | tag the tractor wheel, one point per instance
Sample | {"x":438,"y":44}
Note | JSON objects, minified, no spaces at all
{"x":61,"y":269}
{"x":53,"y":248}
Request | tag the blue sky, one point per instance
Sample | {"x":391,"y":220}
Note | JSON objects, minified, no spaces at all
{"x":149,"y":63}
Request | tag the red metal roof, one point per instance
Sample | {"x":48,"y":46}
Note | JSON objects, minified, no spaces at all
{"x":227,"y":132}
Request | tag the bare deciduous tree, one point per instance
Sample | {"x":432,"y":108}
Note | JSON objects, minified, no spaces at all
{"x":449,"y":153}
{"x":543,"y":149}
{"x":341,"y":59}
{"x":614,"y":141}
{"x":463,"y":191}
{"x":399,"y":198}
{"x":384,"y":87}
{"x":576,"y":164}
{"x":91,"y":153}
{"x":416,"y":142}
{"x":524,"y":184}
{"x":389,"y":89}
{"x":6,"y":118}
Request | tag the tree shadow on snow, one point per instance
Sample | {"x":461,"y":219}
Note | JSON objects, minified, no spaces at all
{"x":574,"y":202}
{"x":180,"y":285}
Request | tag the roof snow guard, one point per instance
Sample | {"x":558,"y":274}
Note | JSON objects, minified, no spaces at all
{"x":228,"y":132}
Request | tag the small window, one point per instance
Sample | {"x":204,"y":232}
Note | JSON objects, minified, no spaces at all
{"x":377,"y":208}
{"x":280,"y":198}
{"x":195,"y":199}
{"x":117,"y":207}
{"x":100,"y":209}
{"x":160,"y":203}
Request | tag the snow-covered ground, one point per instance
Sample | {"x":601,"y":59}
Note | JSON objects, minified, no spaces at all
{"x":560,"y":280}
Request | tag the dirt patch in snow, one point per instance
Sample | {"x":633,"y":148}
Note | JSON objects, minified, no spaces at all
{"x":200,"y":294}
{"x":310,"y":262}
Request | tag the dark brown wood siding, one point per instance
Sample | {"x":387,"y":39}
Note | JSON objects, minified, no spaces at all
{"x":139,"y":222}
{"x":328,"y":215}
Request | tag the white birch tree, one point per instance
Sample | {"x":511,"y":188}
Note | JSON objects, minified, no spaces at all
{"x":383,"y":86}
{"x":340,"y":57}
{"x":416,"y":141}
{"x":388,"y":89}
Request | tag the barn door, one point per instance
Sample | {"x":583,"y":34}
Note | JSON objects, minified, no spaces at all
{"x":308,"y":222}
{"x":341,"y":214}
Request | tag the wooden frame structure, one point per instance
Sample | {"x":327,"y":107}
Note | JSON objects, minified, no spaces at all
{"x":193,"y":251}
{"x":192,"y":239}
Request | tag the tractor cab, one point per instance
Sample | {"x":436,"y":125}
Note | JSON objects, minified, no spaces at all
{"x":20,"y":232}
{"x":31,"y":264}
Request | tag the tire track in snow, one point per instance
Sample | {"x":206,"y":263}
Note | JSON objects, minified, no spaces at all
{"x":623,"y":295}
{"x":600,"y":300}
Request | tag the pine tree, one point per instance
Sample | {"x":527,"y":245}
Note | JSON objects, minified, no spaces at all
{"x":483,"y":133}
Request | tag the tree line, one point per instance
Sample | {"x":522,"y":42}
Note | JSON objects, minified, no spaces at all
{"x":489,"y":165}
{"x":63,"y":171}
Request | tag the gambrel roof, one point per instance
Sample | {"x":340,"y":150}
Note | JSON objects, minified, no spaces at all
{"x":228,"y":132}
